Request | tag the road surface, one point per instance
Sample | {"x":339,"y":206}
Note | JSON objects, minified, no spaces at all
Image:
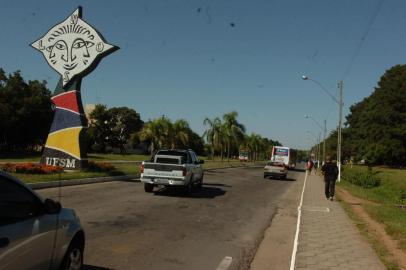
{"x":127,"y":228}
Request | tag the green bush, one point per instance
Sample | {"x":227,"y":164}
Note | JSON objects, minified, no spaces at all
{"x":366,"y":179}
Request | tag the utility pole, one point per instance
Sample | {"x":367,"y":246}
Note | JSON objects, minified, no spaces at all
{"x":324,"y":141}
{"x":339,"y":130}
{"x":319,"y":149}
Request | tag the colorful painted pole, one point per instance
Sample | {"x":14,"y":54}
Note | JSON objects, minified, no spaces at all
{"x":72,"y":48}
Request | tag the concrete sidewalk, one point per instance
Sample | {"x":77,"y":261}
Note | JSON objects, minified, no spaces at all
{"x":327,"y":237}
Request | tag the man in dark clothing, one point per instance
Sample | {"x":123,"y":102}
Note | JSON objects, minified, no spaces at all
{"x":330,"y":172}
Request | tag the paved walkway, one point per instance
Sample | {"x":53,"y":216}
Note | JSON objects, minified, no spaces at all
{"x":327,"y":238}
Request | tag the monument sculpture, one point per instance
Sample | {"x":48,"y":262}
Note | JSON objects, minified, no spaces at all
{"x":73,"y":48}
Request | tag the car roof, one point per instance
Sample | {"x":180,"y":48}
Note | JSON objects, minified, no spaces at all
{"x":19,"y":182}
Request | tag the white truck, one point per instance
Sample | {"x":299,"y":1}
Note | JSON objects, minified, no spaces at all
{"x":172,"y":168}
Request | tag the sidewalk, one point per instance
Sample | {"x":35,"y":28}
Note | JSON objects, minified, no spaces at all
{"x":327,"y":237}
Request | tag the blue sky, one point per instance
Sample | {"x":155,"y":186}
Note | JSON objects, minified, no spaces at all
{"x":185,"y":59}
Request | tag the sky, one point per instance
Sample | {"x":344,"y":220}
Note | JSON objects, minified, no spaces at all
{"x":197,"y":59}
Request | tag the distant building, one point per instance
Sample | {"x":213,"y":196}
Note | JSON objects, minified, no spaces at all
{"x":89,"y":108}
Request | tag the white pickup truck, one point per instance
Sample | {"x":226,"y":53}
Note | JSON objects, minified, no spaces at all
{"x":172,"y":168}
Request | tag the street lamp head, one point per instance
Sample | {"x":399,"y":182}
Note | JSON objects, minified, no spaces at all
{"x":306,"y":116}
{"x":304,"y":77}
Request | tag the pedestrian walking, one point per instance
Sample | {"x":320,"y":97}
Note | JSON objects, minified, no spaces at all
{"x":330,"y":172}
{"x":315,"y":166}
{"x":310,"y":166}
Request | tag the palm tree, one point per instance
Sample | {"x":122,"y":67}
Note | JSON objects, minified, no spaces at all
{"x":233,"y":130}
{"x":254,"y":145}
{"x":213,"y":133}
{"x":180,"y":133}
{"x":154,"y":131}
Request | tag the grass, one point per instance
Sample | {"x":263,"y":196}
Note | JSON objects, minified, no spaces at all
{"x":393,"y":218}
{"x":124,"y":168}
{"x":390,"y":192}
{"x":116,"y":157}
{"x":93,"y":157}
{"x":25,"y":158}
{"x":372,"y":238}
{"x":392,"y":189}
{"x":98,"y":157}
{"x":121,"y":169}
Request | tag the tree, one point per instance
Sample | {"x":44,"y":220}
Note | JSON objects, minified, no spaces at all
{"x":99,"y":130}
{"x":213,"y":133}
{"x":258,"y":147}
{"x":112,"y":127}
{"x":233,"y":131}
{"x":377,"y":124}
{"x":25,"y":113}
{"x":253,"y":144}
{"x":122,"y":122}
{"x":180,"y":133}
{"x":154,"y":131}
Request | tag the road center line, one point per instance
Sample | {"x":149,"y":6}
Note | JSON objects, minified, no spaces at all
{"x":296,"y":242}
{"x":225,"y":263}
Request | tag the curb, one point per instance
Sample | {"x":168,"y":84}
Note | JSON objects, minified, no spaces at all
{"x":84,"y":181}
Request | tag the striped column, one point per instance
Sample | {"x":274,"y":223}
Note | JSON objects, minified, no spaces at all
{"x":65,"y":143}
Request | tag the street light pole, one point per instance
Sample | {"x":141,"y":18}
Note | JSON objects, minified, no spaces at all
{"x":340,"y":106}
{"x":324,"y":129}
{"x":340,"y":85}
{"x":324,"y":142}
{"x":316,"y":147}
{"x":319,"y":147}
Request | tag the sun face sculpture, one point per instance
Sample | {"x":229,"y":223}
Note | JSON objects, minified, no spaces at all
{"x":73,"y":48}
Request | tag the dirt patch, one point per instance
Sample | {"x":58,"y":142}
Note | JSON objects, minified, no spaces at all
{"x":373,"y":226}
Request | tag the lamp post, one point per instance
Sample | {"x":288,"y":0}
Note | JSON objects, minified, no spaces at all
{"x":340,"y":113}
{"x":324,"y":129}
{"x":318,"y":146}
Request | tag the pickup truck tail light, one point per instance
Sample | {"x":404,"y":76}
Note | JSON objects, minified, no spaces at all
{"x":184,"y":171}
{"x":142,"y":168}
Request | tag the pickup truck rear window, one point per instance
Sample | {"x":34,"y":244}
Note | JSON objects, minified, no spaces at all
{"x":167,"y":160}
{"x":183,"y":155}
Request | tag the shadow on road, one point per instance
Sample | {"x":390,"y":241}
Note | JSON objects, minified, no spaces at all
{"x":297,"y":170}
{"x":213,"y":171}
{"x":216,"y":185}
{"x":281,"y":179}
{"x":92,"y":267}
{"x":203,"y":193}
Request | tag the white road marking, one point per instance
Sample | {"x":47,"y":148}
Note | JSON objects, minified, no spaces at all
{"x":315,"y":209}
{"x":225,"y":263}
{"x":296,"y":242}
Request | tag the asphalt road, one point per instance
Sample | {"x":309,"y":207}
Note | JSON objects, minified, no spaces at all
{"x":127,"y":228}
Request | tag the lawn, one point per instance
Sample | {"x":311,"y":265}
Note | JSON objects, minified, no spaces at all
{"x":93,"y":157}
{"x":390,"y":192}
{"x":392,"y":189}
{"x":117,"y":157}
{"x":122,"y":168}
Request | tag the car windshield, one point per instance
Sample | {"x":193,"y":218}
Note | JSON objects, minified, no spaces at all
{"x":181,"y":154}
{"x":170,"y":134}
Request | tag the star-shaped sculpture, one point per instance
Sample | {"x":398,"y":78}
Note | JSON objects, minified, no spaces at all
{"x":73,"y":48}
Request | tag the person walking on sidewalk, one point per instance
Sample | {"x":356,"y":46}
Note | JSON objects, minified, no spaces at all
{"x":330,"y":172}
{"x":309,"y":166}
